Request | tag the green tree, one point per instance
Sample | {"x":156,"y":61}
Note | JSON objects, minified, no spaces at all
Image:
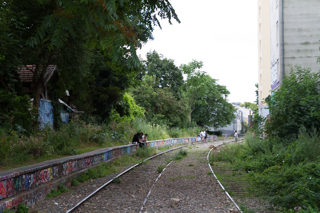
{"x":49,"y":28}
{"x":216,"y":111}
{"x":166,"y":73}
{"x":251,"y":106}
{"x":160,"y":104}
{"x":195,"y":86}
{"x":207,"y":100}
{"x":296,"y":104}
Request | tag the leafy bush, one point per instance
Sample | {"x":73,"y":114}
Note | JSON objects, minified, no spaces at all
{"x":286,"y":172}
{"x":15,"y":114}
{"x":145,"y":152}
{"x":295,"y":104}
{"x":180,"y":154}
{"x":93,"y":173}
{"x":22,"y":208}
{"x":55,"y":193}
{"x":74,"y":182}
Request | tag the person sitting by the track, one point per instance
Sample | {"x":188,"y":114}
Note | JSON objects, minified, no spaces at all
{"x":141,"y":144}
{"x":135,"y":138}
{"x":144,"y":140}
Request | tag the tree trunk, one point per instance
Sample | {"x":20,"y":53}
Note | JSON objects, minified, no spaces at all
{"x":36,"y":92}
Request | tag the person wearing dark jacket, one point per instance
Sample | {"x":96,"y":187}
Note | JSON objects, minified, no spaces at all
{"x":135,"y":138}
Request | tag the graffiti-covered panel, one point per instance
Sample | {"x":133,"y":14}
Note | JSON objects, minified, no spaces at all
{"x":45,"y":114}
{"x":3,"y":189}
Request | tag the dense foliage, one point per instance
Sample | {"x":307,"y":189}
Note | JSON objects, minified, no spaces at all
{"x":283,"y":164}
{"x":296,"y":104}
{"x":91,"y":44}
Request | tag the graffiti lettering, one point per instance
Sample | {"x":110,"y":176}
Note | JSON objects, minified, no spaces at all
{"x":3,"y":190}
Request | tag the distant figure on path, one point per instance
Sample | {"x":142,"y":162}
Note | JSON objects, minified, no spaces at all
{"x":202,"y":135}
{"x":236,"y":136}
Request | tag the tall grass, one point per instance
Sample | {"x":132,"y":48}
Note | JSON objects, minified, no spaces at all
{"x":77,"y":137}
{"x":285,"y":172}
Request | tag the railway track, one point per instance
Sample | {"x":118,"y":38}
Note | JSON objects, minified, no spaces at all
{"x":140,"y":188}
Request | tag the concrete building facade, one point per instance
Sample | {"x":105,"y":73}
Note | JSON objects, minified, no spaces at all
{"x":264,"y":86}
{"x":242,"y":115}
{"x":295,"y":35}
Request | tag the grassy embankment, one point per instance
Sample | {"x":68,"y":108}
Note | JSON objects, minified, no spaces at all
{"x":284,"y":172}
{"x":76,"y":138}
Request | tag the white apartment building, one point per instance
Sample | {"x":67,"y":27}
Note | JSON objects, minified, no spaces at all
{"x":264,"y":86}
{"x":295,"y":35}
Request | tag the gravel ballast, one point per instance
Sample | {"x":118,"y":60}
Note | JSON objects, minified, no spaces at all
{"x":186,"y":185}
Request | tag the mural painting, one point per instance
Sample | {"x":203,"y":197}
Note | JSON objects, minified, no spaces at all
{"x":16,"y":201}
{"x":30,"y":199}
{"x":75,"y":165}
{"x":25,"y":182}
{"x":39,"y":195}
{"x":43,"y":176}
{"x":88,"y":162}
{"x":56,"y":171}
{"x":10,"y":187}
{"x":107,"y":156}
{"x":8,"y":204}
{"x":96,"y":160}
{"x":2,"y":207}
{"x":3,"y":193}
{"x":67,"y":168}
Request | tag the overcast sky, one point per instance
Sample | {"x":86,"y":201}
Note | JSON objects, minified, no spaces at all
{"x":222,"y":34}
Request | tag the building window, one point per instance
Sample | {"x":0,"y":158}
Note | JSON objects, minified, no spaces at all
{"x":260,"y":62}
{"x":260,"y":11}
{"x":260,"y":45}
{"x":278,"y":70}
{"x":277,"y":33}
{"x":260,"y":28}
{"x":260,"y":79}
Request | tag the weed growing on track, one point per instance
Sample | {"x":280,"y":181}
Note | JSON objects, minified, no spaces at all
{"x":160,"y":168}
{"x":55,"y":193}
{"x":145,"y":152}
{"x":74,"y":182}
{"x":117,"y":180}
{"x":244,"y":209}
{"x":181,"y":154}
